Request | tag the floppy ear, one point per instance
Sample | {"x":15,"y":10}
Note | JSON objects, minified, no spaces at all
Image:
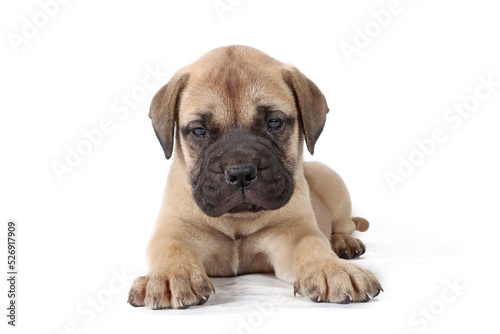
{"x":310,"y":102}
{"x":163,"y":111}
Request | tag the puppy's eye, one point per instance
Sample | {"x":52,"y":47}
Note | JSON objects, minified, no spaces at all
{"x":199,"y":132}
{"x":274,"y":124}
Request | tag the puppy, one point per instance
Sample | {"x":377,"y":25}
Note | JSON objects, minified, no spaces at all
{"x":239,"y":198}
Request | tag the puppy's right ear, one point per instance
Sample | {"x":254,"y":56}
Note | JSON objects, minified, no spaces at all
{"x":164,"y":111}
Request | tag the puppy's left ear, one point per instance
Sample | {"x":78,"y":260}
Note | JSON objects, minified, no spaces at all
{"x":164,"y":111}
{"x":310,"y":102}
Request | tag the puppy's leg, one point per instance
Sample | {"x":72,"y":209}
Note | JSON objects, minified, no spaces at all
{"x":302,"y":255}
{"x":332,"y":207}
{"x":177,"y":278}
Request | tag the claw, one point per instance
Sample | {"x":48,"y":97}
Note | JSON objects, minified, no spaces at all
{"x":181,"y":304}
{"x":366,"y":298}
{"x":203,"y":300}
{"x":155,"y":303}
{"x":131,"y":301}
{"x":317,"y":299}
{"x":347,"y":300}
{"x":296,"y":290}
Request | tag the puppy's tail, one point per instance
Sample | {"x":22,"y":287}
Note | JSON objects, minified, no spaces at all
{"x":361,"y":223}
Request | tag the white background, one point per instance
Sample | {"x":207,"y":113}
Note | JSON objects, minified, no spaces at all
{"x":438,"y":226}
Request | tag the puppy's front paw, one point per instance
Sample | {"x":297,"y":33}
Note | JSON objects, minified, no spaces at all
{"x":178,"y":287}
{"x":347,"y":247}
{"x":336,"y":282}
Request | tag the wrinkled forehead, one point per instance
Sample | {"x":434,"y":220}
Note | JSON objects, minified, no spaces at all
{"x":233,"y":93}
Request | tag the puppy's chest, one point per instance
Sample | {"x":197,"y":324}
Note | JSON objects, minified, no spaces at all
{"x":236,"y":256}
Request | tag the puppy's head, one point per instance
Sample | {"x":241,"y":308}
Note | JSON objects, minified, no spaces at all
{"x":239,"y":118}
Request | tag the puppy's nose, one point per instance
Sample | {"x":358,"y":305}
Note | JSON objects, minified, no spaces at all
{"x":240,"y":176}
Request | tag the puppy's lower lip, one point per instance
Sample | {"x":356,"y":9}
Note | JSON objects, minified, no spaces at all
{"x":245,"y":207}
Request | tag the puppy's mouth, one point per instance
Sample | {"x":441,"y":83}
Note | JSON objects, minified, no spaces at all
{"x":245,"y":207}
{"x":242,"y":201}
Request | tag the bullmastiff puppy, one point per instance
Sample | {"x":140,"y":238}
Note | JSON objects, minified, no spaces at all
{"x":239,"y":198}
